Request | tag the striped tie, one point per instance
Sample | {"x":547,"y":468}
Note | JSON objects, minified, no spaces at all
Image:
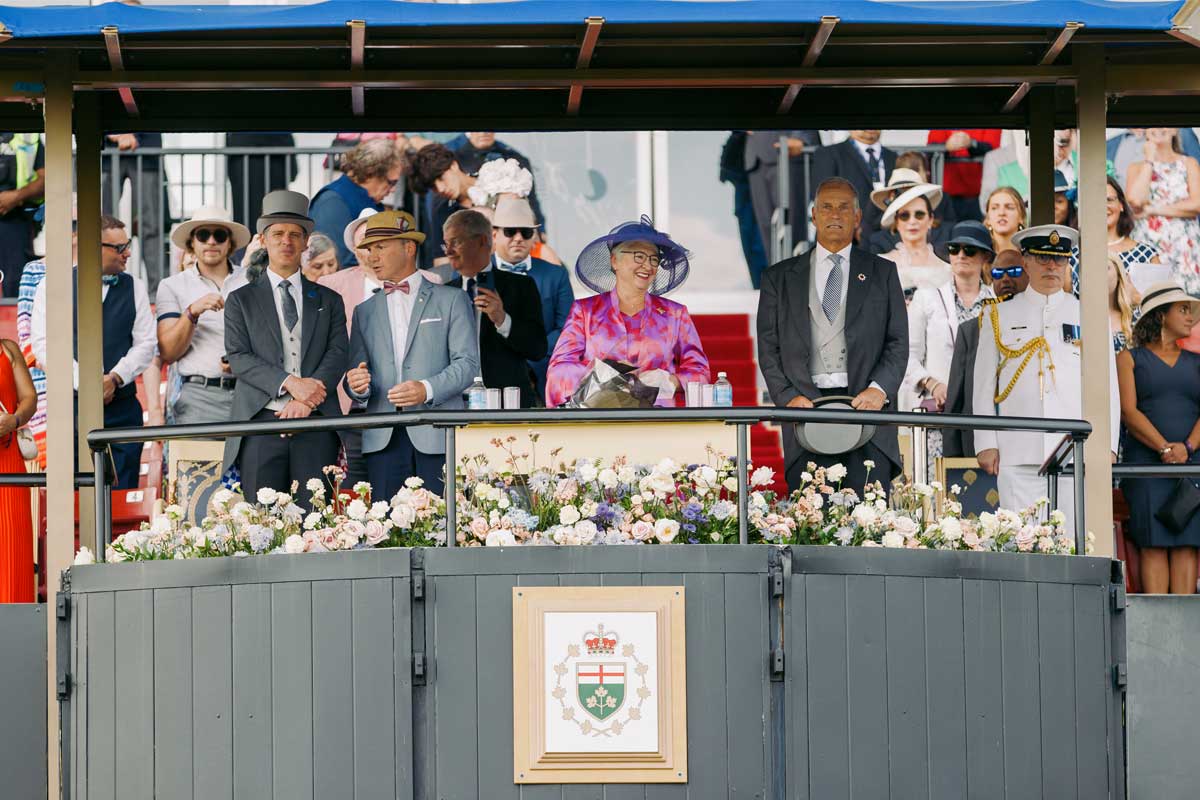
{"x":832,"y":297}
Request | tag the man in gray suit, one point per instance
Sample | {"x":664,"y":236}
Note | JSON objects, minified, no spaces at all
{"x":833,"y":322}
{"x":285,"y":339}
{"x":414,"y":347}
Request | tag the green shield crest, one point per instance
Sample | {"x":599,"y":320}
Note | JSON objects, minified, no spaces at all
{"x":600,"y":687}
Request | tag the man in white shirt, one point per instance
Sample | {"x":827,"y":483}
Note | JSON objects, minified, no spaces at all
{"x":832,"y":322}
{"x":412,"y":347}
{"x":129,"y":343}
{"x":1029,"y":365}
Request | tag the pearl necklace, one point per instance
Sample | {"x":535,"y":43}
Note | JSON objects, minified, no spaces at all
{"x":1116,"y":241}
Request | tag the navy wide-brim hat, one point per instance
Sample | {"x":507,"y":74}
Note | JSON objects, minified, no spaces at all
{"x":594,"y":265}
{"x":972,"y":234}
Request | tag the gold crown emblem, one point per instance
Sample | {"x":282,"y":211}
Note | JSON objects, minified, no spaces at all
{"x":1054,"y":237}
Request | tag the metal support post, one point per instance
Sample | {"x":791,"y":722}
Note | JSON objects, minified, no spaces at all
{"x":1052,"y":487}
{"x":451,"y":489}
{"x":743,"y":467}
{"x":1080,"y":505}
{"x":781,"y":220}
{"x":1041,"y":155}
{"x":102,"y":503}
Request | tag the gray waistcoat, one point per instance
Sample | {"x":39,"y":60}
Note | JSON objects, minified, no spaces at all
{"x":828,"y":353}
{"x":291,"y":353}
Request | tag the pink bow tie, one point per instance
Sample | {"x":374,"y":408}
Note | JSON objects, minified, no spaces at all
{"x":391,"y":286}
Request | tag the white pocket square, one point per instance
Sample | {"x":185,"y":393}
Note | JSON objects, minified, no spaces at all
{"x":431,"y":319}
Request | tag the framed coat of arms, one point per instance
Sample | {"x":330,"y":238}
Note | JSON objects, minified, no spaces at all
{"x":599,"y":685}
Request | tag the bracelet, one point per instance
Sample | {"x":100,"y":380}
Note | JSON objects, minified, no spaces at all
{"x":1188,"y":446}
{"x":195,"y":320}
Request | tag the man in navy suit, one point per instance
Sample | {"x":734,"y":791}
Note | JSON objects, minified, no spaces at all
{"x":514,"y":230}
{"x":864,"y":162}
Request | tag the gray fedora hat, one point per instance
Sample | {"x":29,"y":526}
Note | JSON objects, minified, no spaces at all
{"x":830,"y":438}
{"x":285,"y":206}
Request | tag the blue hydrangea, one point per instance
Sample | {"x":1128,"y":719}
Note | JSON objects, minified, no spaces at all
{"x":261,"y":539}
{"x":723,"y":510}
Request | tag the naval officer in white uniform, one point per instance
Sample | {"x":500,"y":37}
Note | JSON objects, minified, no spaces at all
{"x":1029,"y":365}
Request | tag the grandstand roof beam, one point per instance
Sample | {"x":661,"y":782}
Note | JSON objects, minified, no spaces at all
{"x":1049,"y":57}
{"x":820,"y":38}
{"x":587,"y":49}
{"x":112,"y":43}
{"x":358,"y":46}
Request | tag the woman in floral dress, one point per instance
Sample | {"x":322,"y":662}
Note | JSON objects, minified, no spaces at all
{"x":1164,"y":193}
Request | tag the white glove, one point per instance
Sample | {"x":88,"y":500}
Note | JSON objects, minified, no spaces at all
{"x":661,"y":379}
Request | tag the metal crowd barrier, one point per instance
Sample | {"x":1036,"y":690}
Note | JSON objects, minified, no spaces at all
{"x":451,"y":421}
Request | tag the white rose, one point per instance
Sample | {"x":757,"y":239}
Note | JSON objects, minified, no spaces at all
{"x":357,"y":509}
{"x":312,"y":521}
{"x":294,"y":543}
{"x":835,"y":473}
{"x":864,"y":515}
{"x":665,"y":530}
{"x":414,"y":482}
{"x":893,"y":539}
{"x":500,"y":538}
{"x":951,"y":529}
{"x":504,"y":502}
{"x":568,"y":515}
{"x":666,"y":466}
{"x":627,"y":475}
{"x":85,"y":556}
{"x":403,"y":516}
{"x":586,"y":531}
{"x":588,"y":472}
{"x":608,"y":479}
{"x":266,"y":495}
{"x":379,"y":510}
{"x":762,"y":476}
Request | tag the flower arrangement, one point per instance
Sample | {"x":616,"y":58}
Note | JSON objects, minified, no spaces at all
{"x":497,"y":177}
{"x":592,"y":502}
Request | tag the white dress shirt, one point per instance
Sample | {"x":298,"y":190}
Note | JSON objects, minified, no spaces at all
{"x":400,"y":309}
{"x":505,"y":327}
{"x":133,"y":363}
{"x":865,"y":151}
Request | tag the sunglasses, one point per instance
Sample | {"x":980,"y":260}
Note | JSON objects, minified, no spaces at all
{"x":1012,"y":272}
{"x":511,"y":233}
{"x":122,"y":249}
{"x":1062,"y":142}
{"x":903,"y":216}
{"x":218,"y":235}
{"x":970,"y":251}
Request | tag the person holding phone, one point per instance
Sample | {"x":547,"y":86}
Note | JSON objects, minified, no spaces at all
{"x":508,"y":308}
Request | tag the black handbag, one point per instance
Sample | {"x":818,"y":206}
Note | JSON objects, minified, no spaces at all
{"x":1180,"y":507}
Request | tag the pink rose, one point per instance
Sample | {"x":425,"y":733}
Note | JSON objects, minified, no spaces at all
{"x":642,"y":530}
{"x":375,"y":533}
{"x":479,"y":528}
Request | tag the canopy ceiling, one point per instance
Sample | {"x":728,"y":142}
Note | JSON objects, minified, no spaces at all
{"x":609,"y":64}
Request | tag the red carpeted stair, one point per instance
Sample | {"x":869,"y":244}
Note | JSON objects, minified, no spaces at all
{"x":730,"y":349}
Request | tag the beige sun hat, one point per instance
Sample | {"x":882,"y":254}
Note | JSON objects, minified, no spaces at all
{"x":513,"y":212}
{"x":1164,"y":293}
{"x":901,"y":179}
{"x":929,"y":190}
{"x":352,"y":228}
{"x":211,"y":216}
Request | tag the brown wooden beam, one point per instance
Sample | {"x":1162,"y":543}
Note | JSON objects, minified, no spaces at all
{"x":1049,"y":57}
{"x":587,"y":48}
{"x":112,"y":43}
{"x":358,"y":42}
{"x":815,"y":46}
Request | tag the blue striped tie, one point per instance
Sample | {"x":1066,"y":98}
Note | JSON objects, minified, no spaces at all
{"x":832,"y":297}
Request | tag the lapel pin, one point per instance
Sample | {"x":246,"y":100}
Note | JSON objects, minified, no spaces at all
{"x":862,"y":277}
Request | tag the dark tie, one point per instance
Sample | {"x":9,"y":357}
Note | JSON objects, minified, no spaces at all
{"x":391,"y":286}
{"x":873,"y":164}
{"x":108,"y":280}
{"x":471,"y":289}
{"x":290,"y":315}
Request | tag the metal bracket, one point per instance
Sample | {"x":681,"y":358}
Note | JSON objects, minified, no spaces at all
{"x":418,"y":668}
{"x":775,"y":578}
{"x":418,"y":585}
{"x":1117,"y":598}
{"x":777,"y":572}
{"x":777,"y":663}
{"x":62,"y":612}
{"x":417,"y":575}
{"x":1120,"y":674}
{"x":62,"y":606}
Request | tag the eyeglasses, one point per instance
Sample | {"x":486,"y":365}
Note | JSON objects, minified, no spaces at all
{"x":1012,"y":272}
{"x":454,"y":244}
{"x":641,"y":259}
{"x":511,"y":233}
{"x":217,"y":235}
{"x":121,"y":249}
{"x":1062,"y":142}
{"x":970,"y":251}
{"x":917,"y":215}
{"x":1048,"y":261}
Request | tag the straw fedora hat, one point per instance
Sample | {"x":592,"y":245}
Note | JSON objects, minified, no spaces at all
{"x":929,"y":190}
{"x":513,"y":212}
{"x":391,"y":225}
{"x":211,"y":216}
{"x":283,"y":205}
{"x":901,"y":179}
{"x":1165,"y":293}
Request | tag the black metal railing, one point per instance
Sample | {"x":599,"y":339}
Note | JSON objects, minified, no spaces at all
{"x":742,"y":418}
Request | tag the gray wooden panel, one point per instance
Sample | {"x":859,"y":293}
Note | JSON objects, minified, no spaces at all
{"x":493,"y":618}
{"x":402,"y":683}
{"x":795,"y":687}
{"x":1022,"y":690}
{"x":333,"y":665}
{"x":212,"y":676}
{"x":134,"y":687}
{"x":252,"y":684}
{"x":173,"y":693}
{"x":80,"y":696}
{"x":1056,"y":651}
{"x":1092,"y":693}
{"x":866,"y":657}
{"x":102,"y":717}
{"x":828,"y":694}
{"x":713,"y":683}
{"x":908,"y":710}
{"x":946,"y":681}
{"x":984,"y":682}
{"x":747,"y":683}
{"x":453,"y":678}
{"x":544,"y":791}
{"x":676,"y":790}
{"x":292,"y":690}
{"x":373,"y":750}
{"x":23,"y":699}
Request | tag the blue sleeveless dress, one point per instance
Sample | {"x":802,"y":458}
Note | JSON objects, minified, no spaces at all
{"x":1170,"y":398}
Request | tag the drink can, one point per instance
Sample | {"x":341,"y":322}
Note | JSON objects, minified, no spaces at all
{"x":695,"y":394}
{"x":512,"y":397}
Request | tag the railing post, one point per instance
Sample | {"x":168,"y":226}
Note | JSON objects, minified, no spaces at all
{"x":743,"y":468}
{"x":451,"y":489}
{"x":1052,"y":486}
{"x":102,"y":502}
{"x":1080,"y":523}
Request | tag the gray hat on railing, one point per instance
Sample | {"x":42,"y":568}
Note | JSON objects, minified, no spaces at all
{"x":285,"y":206}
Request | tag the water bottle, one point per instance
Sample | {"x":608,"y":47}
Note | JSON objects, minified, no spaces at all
{"x":477,"y":396}
{"x":722,"y":392}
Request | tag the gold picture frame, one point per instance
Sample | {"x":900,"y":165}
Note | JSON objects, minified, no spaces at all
{"x":622,"y":650}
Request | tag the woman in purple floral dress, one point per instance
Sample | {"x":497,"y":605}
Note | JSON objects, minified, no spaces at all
{"x":1164,"y":192}
{"x":627,"y":320}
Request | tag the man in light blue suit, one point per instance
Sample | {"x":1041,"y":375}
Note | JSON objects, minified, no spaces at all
{"x":413,"y":347}
{"x":514,"y":230}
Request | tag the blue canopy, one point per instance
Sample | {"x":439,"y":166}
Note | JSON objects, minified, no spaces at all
{"x":65,"y":21}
